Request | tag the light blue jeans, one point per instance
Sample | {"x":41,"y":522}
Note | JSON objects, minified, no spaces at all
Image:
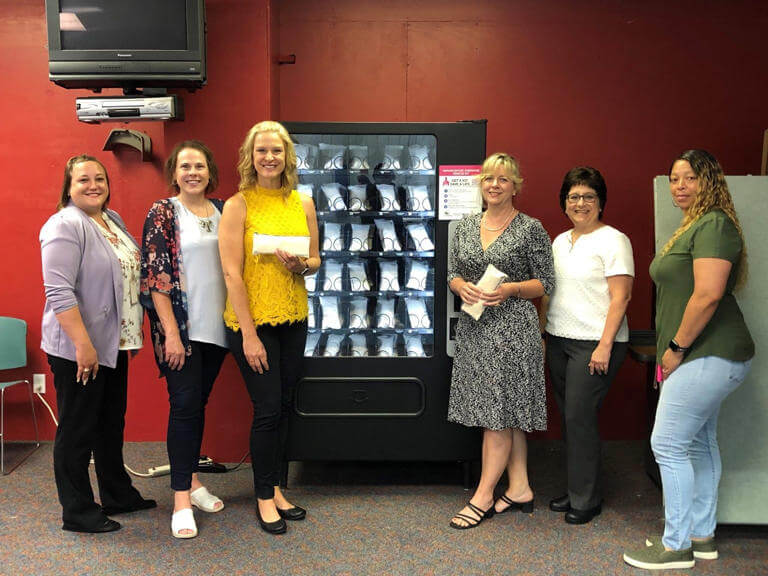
{"x":684,"y":442}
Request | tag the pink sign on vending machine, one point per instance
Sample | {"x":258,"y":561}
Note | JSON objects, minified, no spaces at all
{"x":459,"y":191}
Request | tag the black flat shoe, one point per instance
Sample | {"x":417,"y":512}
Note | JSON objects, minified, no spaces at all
{"x":106,"y":526}
{"x":295,"y":513}
{"x":574,"y":516}
{"x":526,"y":507}
{"x":143,"y":504}
{"x":276,"y":527}
{"x":561,"y":504}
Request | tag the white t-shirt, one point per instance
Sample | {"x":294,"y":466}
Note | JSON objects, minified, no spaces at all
{"x":578,"y":305}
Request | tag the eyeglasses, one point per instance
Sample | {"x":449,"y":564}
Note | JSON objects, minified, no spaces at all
{"x":587,"y":198}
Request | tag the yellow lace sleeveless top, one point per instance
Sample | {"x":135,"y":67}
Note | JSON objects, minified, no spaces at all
{"x":275,"y":295}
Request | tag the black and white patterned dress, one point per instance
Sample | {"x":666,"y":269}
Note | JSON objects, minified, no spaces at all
{"x":498,"y":369}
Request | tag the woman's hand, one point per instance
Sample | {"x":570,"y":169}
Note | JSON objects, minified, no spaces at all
{"x":87,"y":362}
{"x":601,"y":358}
{"x":469,"y":293}
{"x":175,"y":355}
{"x":255,"y":354}
{"x":502,"y":293}
{"x":669,"y":362}
{"x":292,"y":263}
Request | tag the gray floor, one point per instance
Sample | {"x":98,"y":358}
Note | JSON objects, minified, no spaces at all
{"x":364,"y":518}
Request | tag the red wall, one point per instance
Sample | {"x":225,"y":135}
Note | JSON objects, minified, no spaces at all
{"x":39,"y":131}
{"x":622,"y":86}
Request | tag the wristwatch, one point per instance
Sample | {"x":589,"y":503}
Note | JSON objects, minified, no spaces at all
{"x":675,"y":347}
{"x":306,"y":269}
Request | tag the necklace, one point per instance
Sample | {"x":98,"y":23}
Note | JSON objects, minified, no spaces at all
{"x":503,"y":225}
{"x":205,"y":222}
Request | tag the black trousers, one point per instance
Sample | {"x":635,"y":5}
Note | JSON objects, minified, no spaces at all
{"x":91,"y":419}
{"x":579,"y":396}
{"x":188,"y":392}
{"x":272,"y":397}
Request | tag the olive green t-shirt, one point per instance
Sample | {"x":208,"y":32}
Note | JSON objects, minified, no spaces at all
{"x":726,"y":335}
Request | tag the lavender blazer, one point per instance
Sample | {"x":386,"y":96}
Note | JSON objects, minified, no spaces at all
{"x":81,"y":269}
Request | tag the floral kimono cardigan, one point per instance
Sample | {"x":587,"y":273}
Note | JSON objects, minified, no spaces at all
{"x":162,"y":270}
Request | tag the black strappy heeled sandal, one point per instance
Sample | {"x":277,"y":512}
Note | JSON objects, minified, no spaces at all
{"x":526,"y":507}
{"x":472,"y":521}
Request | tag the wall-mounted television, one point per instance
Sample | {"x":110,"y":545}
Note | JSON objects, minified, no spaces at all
{"x":128,"y":44}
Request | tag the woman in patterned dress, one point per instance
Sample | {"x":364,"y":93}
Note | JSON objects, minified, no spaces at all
{"x":92,"y":319}
{"x":498,"y":371}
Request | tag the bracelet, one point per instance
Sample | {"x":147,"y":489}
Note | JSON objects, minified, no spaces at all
{"x":519,"y":290}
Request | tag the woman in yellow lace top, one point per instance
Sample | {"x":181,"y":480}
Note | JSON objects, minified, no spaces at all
{"x":266,"y":310}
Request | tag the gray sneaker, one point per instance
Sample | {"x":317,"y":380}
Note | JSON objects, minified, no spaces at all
{"x":704,"y":549}
{"x":653,"y":556}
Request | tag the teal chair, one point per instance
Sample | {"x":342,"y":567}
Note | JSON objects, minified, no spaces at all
{"x":13,"y":354}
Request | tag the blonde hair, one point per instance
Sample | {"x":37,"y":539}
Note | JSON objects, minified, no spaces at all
{"x":713,"y":194}
{"x":507,"y":163}
{"x":245,"y":168}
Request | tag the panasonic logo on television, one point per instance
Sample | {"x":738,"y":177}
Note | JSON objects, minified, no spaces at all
{"x":124,"y":55}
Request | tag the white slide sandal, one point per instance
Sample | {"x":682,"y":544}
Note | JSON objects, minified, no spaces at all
{"x":183,"y":520}
{"x":206,"y":501}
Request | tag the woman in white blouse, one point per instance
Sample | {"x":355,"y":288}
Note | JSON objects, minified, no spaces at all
{"x":586,"y":332}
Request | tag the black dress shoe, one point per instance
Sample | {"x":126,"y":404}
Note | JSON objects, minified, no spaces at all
{"x":574,"y":516}
{"x":295,"y":513}
{"x":276,"y":527}
{"x":143,"y":504}
{"x":561,"y":504}
{"x":106,"y":526}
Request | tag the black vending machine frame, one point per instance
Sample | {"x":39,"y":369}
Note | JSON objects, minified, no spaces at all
{"x":408,"y":422}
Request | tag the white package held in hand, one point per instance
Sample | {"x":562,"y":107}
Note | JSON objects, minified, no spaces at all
{"x":421,"y":240}
{"x":332,"y":156}
{"x":332,"y":238}
{"x":267,"y":244}
{"x":387,"y":235}
{"x":388,"y":197}
{"x":333,"y":196}
{"x":329,"y":310}
{"x":491,"y":279}
{"x":358,"y":279}
{"x":358,"y":197}
{"x":361,"y":238}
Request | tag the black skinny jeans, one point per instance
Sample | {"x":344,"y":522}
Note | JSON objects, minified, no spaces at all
{"x":272,"y":397}
{"x":91,"y":419}
{"x":188,"y":392}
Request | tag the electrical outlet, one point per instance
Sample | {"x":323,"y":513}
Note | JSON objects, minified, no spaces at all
{"x":38,"y":383}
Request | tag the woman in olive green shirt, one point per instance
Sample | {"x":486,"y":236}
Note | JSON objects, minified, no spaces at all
{"x":704,"y":353}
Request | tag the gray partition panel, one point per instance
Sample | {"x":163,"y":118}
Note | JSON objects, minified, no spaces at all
{"x":743,"y":426}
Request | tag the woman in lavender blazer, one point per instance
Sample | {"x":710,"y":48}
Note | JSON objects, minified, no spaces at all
{"x":92,"y":318}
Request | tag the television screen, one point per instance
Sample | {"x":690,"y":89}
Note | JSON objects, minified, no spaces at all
{"x":117,"y":24}
{"x":126,"y":43}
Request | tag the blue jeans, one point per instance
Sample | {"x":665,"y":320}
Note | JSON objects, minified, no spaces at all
{"x":684,"y":442}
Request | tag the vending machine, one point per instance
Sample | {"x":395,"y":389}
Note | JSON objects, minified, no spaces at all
{"x":377,"y":368}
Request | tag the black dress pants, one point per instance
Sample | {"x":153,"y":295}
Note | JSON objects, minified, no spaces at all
{"x":91,"y":420}
{"x":272,"y":397}
{"x":579,"y":396}
{"x":188,"y":392}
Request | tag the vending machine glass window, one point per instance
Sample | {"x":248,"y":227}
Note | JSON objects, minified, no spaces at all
{"x":373,"y":296}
